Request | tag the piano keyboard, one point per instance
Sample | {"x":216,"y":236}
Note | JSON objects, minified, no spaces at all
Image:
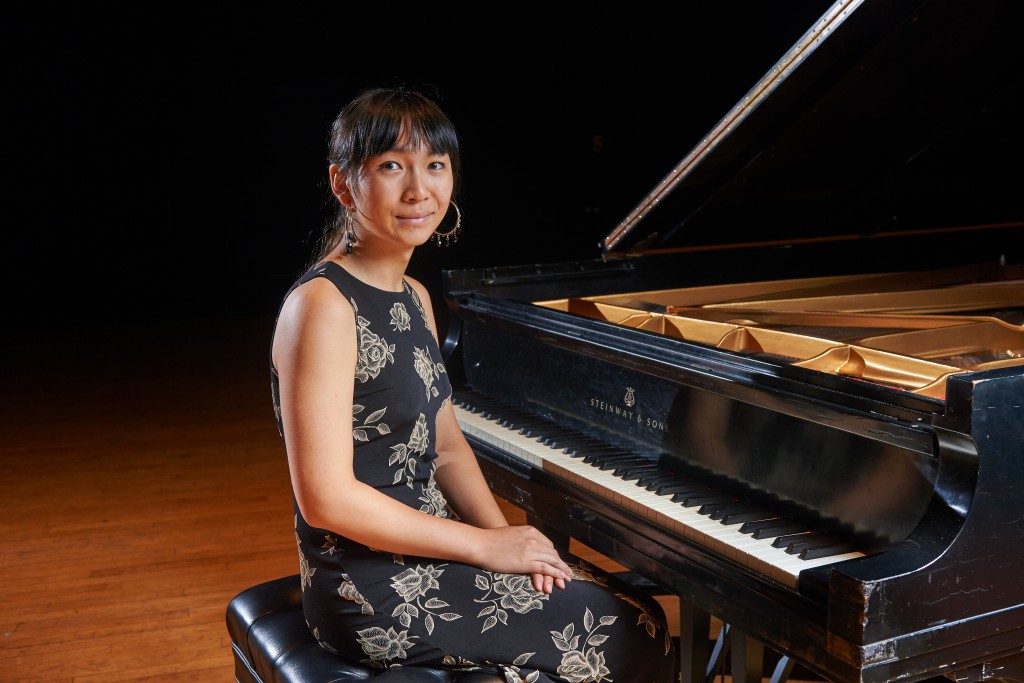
{"x":757,"y":538}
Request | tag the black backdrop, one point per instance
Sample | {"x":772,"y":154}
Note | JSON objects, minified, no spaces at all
{"x":170,"y":165}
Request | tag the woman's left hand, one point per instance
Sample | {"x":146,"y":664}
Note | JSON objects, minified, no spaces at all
{"x":545,"y":584}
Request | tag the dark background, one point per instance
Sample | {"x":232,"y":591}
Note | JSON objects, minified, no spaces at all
{"x":171,"y":165}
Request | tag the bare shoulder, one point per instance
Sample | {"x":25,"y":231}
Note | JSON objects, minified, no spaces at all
{"x":314,"y":311}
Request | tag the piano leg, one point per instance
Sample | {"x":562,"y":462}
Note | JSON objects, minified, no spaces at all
{"x":746,"y":655}
{"x":747,"y":658}
{"x":782,"y":670}
{"x":694,"y":627}
{"x":718,"y":652}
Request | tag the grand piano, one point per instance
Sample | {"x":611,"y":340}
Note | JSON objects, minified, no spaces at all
{"x":789,"y":388}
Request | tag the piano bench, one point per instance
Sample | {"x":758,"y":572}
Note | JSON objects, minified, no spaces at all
{"x":271,"y":644}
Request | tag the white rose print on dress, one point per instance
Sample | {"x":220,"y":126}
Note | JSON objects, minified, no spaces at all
{"x":348,"y":591}
{"x":427,"y":369}
{"x":583,"y":572}
{"x":412,"y":585}
{"x":433,"y":499}
{"x":383,"y":646}
{"x":400,"y":318}
{"x":402,"y":453}
{"x":513,"y":675}
{"x":359,"y":433}
{"x":647,"y":620}
{"x":419,"y":304}
{"x":579,"y":665}
{"x":305,"y":571}
{"x":374,"y":352}
{"x":505,"y":592}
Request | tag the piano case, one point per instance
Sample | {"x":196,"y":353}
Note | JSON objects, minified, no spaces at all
{"x":816,"y":317}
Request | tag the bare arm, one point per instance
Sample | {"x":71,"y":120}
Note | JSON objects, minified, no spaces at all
{"x":315,"y":356}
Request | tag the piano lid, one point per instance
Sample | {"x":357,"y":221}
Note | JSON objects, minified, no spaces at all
{"x":886,"y":116}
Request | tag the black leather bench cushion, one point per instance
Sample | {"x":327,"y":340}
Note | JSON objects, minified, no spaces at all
{"x":271,"y":644}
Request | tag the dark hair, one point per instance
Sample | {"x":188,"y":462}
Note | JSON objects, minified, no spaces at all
{"x":373,"y":123}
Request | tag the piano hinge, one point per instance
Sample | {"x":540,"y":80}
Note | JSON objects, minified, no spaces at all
{"x":560,"y":271}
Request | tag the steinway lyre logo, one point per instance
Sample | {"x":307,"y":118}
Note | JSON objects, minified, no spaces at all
{"x":626,"y":411}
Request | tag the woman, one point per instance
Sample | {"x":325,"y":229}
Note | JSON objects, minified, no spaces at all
{"x":405,"y":557}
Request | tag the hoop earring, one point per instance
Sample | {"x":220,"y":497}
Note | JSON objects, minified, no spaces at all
{"x":445,"y":239}
{"x":350,"y":232}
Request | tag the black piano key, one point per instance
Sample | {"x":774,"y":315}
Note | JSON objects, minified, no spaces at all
{"x":675,"y":489}
{"x":812,"y":541}
{"x":689,"y":500}
{"x":500,"y":414}
{"x":581,"y":450}
{"x":617,"y":463}
{"x":662,"y":486}
{"x":566,"y":440}
{"x":529,"y":427}
{"x":787,"y":540}
{"x":511,"y":422}
{"x":650,"y":480}
{"x":547,"y":432}
{"x":719,"y":510}
{"x":827,"y":550}
{"x":709,"y":509}
{"x":599,"y":457}
{"x":515,"y":420}
{"x":589,"y":452}
{"x":769,"y":528}
{"x":741,"y":516}
{"x":611,"y":455}
{"x":641,"y":466}
{"x":590,"y":455}
{"x":478,"y":404}
{"x":631,"y":472}
{"x":800,"y":546}
{"x":576,"y":448}
{"x":563,"y":437}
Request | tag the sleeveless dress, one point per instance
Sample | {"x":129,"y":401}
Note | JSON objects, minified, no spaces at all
{"x":388,"y":610}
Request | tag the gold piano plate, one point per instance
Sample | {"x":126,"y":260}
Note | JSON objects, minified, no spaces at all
{"x":910,"y":331}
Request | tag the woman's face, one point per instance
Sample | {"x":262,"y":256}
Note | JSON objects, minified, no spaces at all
{"x":401,"y":196}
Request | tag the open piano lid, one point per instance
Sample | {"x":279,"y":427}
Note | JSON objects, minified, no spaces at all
{"x":886,"y":117}
{"x":882,"y":152}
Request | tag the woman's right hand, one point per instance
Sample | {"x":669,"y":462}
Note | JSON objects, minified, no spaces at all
{"x":525,"y":550}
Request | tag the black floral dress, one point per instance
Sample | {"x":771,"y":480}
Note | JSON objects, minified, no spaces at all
{"x":389,"y":610}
